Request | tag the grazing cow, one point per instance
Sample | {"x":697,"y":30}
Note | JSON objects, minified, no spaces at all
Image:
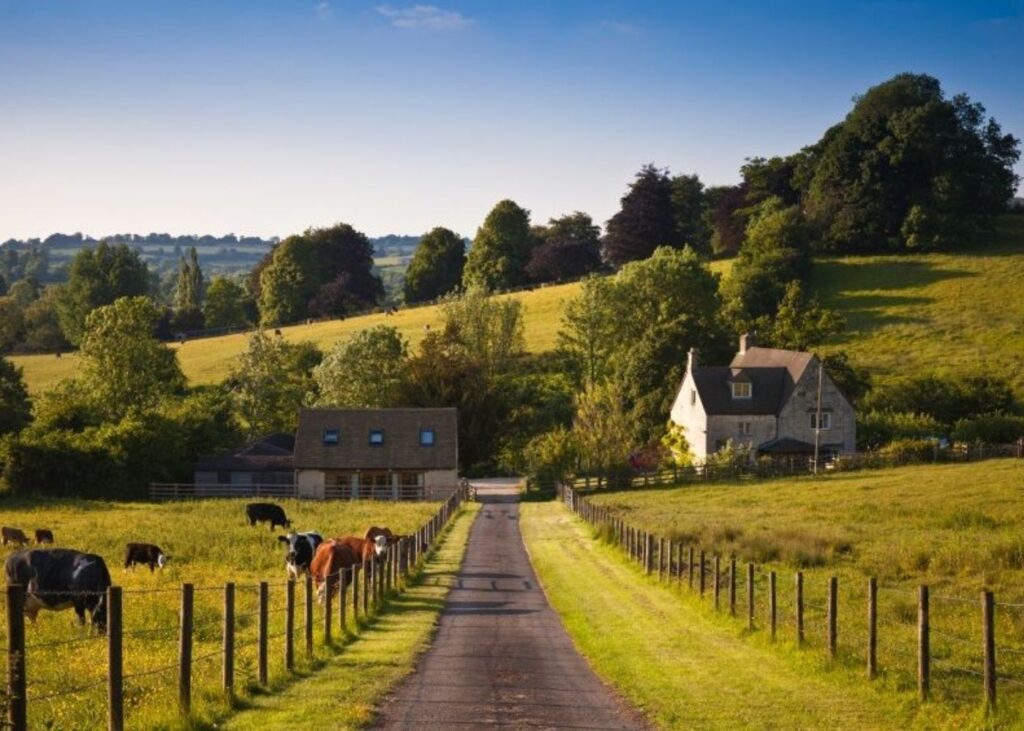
{"x":144,"y":554}
{"x":392,"y":538}
{"x":13,"y":535}
{"x":301,"y":549}
{"x":44,"y":536}
{"x":332,"y":557}
{"x":267,"y":512}
{"x":58,"y":578}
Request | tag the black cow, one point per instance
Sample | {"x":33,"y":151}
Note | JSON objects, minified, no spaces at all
{"x":145,"y":554}
{"x":267,"y":512}
{"x":301,"y":549}
{"x":58,"y":578}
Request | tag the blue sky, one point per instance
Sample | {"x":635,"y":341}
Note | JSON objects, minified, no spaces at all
{"x":268,"y":116}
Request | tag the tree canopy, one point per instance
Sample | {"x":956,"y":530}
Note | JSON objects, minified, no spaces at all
{"x":645,"y":221}
{"x":97,"y":277}
{"x":569,"y":247}
{"x":364,"y":371}
{"x":501,"y":249}
{"x":436,"y":267}
{"x":225,"y":303}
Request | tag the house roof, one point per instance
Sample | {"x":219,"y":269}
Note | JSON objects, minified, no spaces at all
{"x":270,"y":453}
{"x":715,"y":389}
{"x":794,"y":362}
{"x":401,"y":449}
{"x":785,"y":445}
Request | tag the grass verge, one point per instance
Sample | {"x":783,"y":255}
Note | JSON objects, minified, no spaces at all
{"x":684,"y":667}
{"x":343,"y":693}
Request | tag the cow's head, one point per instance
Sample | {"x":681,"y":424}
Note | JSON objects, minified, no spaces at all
{"x":380,"y":544}
{"x":99,"y":614}
{"x":289,"y":540}
{"x":161,"y":559}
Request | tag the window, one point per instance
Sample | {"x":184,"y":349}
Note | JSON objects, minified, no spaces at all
{"x":826,"y":421}
{"x":331,"y":437}
{"x":741,"y":390}
{"x":693,"y":397}
{"x":746,"y":428}
{"x":376,"y":437}
{"x":426,"y":437}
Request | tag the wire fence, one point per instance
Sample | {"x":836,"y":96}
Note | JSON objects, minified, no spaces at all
{"x":161,"y":646}
{"x":955,"y":649}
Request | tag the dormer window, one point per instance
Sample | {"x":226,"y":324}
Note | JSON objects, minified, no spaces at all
{"x":742,"y":389}
{"x":426,"y":437}
{"x":331,"y":437}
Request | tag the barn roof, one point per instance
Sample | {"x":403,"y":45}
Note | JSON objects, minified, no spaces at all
{"x":401,"y":436}
{"x":272,"y":452}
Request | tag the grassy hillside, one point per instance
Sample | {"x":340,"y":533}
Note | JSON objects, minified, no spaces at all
{"x":905,"y":314}
{"x":209,"y":544}
{"x":957,"y":528}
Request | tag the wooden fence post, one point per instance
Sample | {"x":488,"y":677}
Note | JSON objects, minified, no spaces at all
{"x":988,"y":619}
{"x":923,"y":643}
{"x":366,"y":589}
{"x":289,"y":625}
{"x":262,"y":633}
{"x":773,"y":604}
{"x":328,"y":609}
{"x":732,"y":586}
{"x":718,"y":579}
{"x":185,"y":651}
{"x":308,"y":595}
{"x":689,"y":566}
{"x":703,"y":578}
{"x":833,"y":619}
{"x":115,"y":661}
{"x":872,"y":628}
{"x":799,"y":608}
{"x":228,"y":676}
{"x":17,"y":709}
{"x":342,"y":586}
{"x":355,"y":595}
{"x":750,"y":595}
{"x":661,"y":559}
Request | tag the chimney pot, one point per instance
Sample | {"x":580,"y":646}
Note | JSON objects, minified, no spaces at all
{"x":746,"y":342}
{"x":691,"y":359}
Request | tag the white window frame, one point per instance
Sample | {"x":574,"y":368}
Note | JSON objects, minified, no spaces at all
{"x":826,"y":420}
{"x":745,"y":386}
{"x":746,"y":428}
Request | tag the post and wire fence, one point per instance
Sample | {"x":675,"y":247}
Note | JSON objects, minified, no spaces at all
{"x":956,"y":649}
{"x":235,"y":637}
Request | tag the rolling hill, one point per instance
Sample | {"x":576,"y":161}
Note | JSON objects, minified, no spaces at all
{"x":905,"y":314}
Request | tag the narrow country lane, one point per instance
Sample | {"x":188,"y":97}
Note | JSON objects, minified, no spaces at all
{"x":501,"y":657}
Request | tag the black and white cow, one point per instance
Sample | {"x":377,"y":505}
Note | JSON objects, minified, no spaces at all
{"x":301,"y":549}
{"x":267,"y":513}
{"x":59,"y":578}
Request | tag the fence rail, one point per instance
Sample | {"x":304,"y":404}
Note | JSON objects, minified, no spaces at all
{"x":353,"y":595}
{"x":192,"y":491}
{"x":939,"y":640}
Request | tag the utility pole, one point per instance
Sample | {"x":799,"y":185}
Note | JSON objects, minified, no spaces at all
{"x":817,"y":420}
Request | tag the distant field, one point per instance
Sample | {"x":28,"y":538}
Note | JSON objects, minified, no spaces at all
{"x":905,"y":314}
{"x":210,"y":544}
{"x":957,"y":528}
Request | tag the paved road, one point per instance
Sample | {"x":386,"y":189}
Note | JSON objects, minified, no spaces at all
{"x":501,"y":658}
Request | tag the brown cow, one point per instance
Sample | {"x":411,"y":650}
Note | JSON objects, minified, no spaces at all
{"x":13,"y":535}
{"x":44,"y":535}
{"x":373,"y":531}
{"x":338,"y":554}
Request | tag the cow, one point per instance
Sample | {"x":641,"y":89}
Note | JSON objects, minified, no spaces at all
{"x":145,"y":554}
{"x":301,"y":549}
{"x":58,"y":578}
{"x":267,"y":512}
{"x":392,"y":538}
{"x":338,"y":554}
{"x":13,"y":535}
{"x":44,"y":535}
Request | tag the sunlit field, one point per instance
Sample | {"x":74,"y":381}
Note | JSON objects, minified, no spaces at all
{"x":957,"y":528}
{"x":210,"y":543}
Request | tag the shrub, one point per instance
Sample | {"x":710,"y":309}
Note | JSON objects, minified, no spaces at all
{"x":946,"y":399}
{"x":552,"y":456}
{"x":910,"y":450}
{"x":877,"y":428}
{"x":989,"y":429}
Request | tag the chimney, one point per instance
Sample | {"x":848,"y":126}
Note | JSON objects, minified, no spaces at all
{"x":691,"y":360}
{"x":746,"y":342}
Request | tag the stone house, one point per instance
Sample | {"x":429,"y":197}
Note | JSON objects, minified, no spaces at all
{"x":374,"y":452}
{"x":766,"y":399}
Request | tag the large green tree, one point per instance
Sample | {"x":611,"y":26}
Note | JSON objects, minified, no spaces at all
{"x":908,"y":169}
{"x":569,"y":247}
{"x":364,"y":371}
{"x":97,"y":277}
{"x":15,"y":407}
{"x":645,"y":221}
{"x":690,"y":209}
{"x":501,"y":249}
{"x":188,"y":293}
{"x":323,"y":272}
{"x":225,"y":305}
{"x":436,"y":267}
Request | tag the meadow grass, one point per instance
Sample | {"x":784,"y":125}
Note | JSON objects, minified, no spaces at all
{"x":210,"y":544}
{"x":680,"y":665}
{"x":344,"y":692}
{"x":957,"y":528}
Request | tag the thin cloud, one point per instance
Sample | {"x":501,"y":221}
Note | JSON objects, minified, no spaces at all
{"x":430,"y":17}
{"x":617,"y":26}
